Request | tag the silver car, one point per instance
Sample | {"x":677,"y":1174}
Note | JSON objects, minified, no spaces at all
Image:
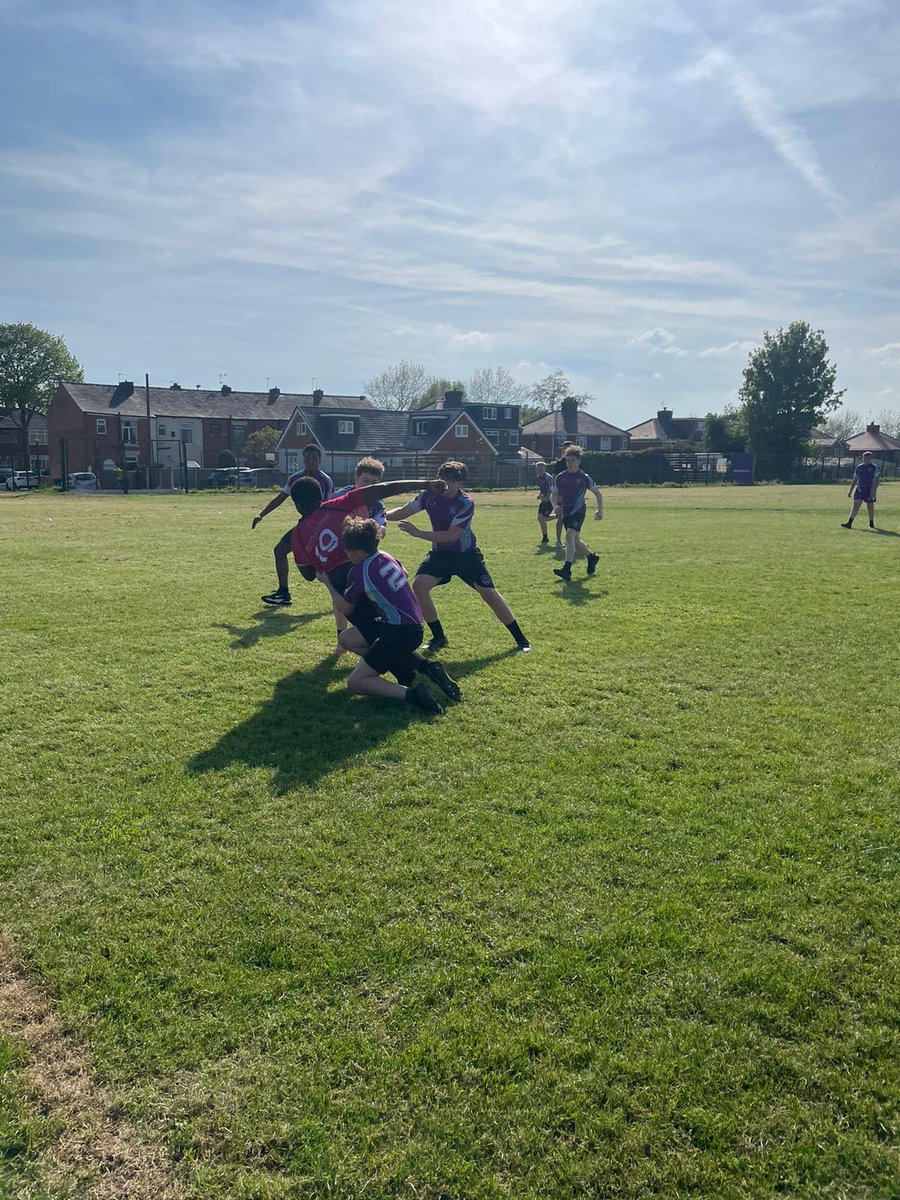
{"x":21,"y":481}
{"x":84,"y":481}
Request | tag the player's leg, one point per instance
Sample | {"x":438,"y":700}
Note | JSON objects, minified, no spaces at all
{"x":423,"y":585}
{"x":848,"y":524}
{"x":870,"y":507}
{"x":503,"y":613}
{"x":282,"y":594}
{"x":592,"y":558}
{"x":367,"y":680}
{"x":351,"y":639}
{"x":572,"y":527}
{"x":559,"y":527}
{"x":542,"y":521}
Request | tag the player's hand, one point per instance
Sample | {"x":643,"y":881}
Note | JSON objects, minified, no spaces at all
{"x":408,"y":527}
{"x":598,"y":516}
{"x":256,"y":521}
{"x":438,"y":486}
{"x":322,"y":577}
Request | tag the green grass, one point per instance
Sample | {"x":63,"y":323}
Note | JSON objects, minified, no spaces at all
{"x":621,"y":924}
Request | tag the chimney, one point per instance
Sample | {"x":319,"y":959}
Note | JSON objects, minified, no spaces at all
{"x":225,"y":389}
{"x":176,"y":387}
{"x":569,"y":409}
{"x":873,"y":428}
{"x":274,"y":393}
{"x":318,"y":397}
{"x":124,"y":389}
{"x":453,"y":399}
{"x":664,"y":416}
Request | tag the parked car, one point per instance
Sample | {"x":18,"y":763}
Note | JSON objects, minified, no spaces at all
{"x":21,"y":481}
{"x":223,"y":477}
{"x":6,"y":473}
{"x":84,"y":481}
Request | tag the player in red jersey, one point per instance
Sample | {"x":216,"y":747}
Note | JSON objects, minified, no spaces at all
{"x":316,"y":539}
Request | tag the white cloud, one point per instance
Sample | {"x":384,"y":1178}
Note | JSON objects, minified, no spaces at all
{"x":656,"y":337}
{"x":728,"y":350}
{"x":473,"y":338}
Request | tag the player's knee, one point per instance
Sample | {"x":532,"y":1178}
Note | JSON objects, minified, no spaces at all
{"x":354,"y":683}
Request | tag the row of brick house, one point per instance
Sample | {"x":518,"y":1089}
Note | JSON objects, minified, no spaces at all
{"x":23,"y":448}
{"x":108,"y":426}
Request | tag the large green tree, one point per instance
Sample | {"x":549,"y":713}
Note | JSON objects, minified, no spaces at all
{"x":788,"y":388}
{"x":32,"y":362}
{"x":724,"y":432}
{"x":263,"y":442}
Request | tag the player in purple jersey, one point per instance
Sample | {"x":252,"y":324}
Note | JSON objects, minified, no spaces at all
{"x":544,"y":481}
{"x":454,"y":552}
{"x":570,"y":489}
{"x":311,"y":459}
{"x":866,"y":478}
{"x":368,"y":471}
{"x":560,"y":465}
{"x":390,"y":642}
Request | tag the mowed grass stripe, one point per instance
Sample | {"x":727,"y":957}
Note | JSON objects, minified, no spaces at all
{"x":621,"y":923}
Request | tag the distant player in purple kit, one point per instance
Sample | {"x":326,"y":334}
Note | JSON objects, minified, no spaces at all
{"x":454,"y":552}
{"x":865,"y":480}
{"x":560,"y":465}
{"x":390,"y":642}
{"x":570,"y":489}
{"x":544,"y":481}
{"x":311,"y":459}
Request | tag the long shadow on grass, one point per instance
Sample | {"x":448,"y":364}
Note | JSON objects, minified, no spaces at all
{"x":270,"y":622}
{"x":580,"y":591}
{"x":885,"y":532}
{"x":307,"y":730}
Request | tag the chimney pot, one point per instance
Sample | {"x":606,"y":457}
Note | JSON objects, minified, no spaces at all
{"x":872,"y":427}
{"x":226,"y":389}
{"x":453,"y":399}
{"x":318,"y":397}
{"x":274,"y":393}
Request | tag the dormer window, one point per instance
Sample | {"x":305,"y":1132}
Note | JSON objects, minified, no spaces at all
{"x":420,"y":428}
{"x":345,"y":426}
{"x":489,"y":413}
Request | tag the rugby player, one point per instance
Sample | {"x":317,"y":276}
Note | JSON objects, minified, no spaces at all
{"x":570,"y":489}
{"x":866,"y":478}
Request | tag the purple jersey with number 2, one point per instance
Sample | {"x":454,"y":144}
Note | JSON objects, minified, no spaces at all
{"x":383,"y":580}
{"x":446,"y":512}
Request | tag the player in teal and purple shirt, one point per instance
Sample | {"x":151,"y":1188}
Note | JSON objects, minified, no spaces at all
{"x":454,"y":552}
{"x":390,"y":642}
{"x":312,"y":457}
{"x":369,"y":471}
{"x":570,"y":489}
{"x":865,"y":482}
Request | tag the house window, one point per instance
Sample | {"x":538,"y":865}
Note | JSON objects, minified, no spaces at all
{"x":131,"y":460}
{"x":420,"y":428}
{"x":507,"y":414}
{"x":513,"y":436}
{"x":290,"y":462}
{"x":160,"y":431}
{"x":239,"y":433}
{"x":101,"y":427}
{"x":301,"y":429}
{"x":606,"y":443}
{"x":345,"y":426}
{"x":215,"y":429}
{"x":187,"y":434}
{"x":461,"y":431}
{"x":493,"y":436}
{"x":129,"y":433}
{"x":35,"y":437}
{"x":489,"y":414}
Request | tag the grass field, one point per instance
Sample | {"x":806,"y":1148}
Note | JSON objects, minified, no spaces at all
{"x":622,"y":923}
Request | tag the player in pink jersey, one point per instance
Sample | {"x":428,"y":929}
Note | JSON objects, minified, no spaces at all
{"x":391,"y":641}
{"x":316,"y":538}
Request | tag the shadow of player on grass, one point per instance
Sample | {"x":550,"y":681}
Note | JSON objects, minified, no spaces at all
{"x":581,"y":591}
{"x":309,"y":727}
{"x":885,"y":532}
{"x":270,"y":622}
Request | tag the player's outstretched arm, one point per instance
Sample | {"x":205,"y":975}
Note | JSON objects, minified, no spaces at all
{"x":380,"y":491}
{"x":270,"y":507}
{"x":400,"y":514}
{"x":598,"y":516}
{"x":439,"y":537}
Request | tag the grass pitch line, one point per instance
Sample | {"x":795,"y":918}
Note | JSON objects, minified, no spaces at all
{"x":97,"y":1152}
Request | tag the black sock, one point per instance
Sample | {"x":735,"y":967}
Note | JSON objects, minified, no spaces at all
{"x":849,"y":520}
{"x":518,"y":635}
{"x":871,"y":524}
{"x":437,"y":629}
{"x":420,"y":662}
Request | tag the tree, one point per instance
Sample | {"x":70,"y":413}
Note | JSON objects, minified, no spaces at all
{"x":548,"y":393}
{"x":436,"y":389}
{"x":723,"y":432}
{"x":843,"y":424}
{"x":399,"y":387}
{"x":788,"y":388}
{"x":225,"y":458}
{"x":888,"y":422}
{"x":263,"y":442}
{"x":495,"y":385}
{"x":32,"y":363}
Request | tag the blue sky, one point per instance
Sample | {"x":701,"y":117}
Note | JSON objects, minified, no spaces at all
{"x":629,"y":190}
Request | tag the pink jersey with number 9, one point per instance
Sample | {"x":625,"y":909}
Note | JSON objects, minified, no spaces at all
{"x":316,"y":539}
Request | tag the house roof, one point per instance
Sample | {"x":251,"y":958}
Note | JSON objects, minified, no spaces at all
{"x":823,"y":439}
{"x":585,"y":425}
{"x":872,"y":440}
{"x":104,"y":398}
{"x":376,"y":430}
{"x":9,"y":419}
{"x":649,"y":431}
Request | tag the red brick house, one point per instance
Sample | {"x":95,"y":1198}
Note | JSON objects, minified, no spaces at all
{"x":662,"y":430}
{"x":873,"y":441}
{"x":545,"y":435}
{"x":14,"y":446}
{"x":105,"y":426}
{"x":406,"y":442}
